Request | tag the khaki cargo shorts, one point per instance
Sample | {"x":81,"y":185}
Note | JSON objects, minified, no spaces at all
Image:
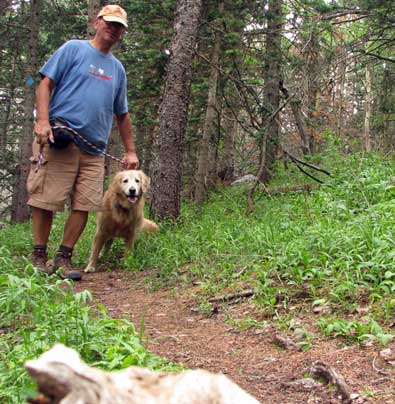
{"x":63,"y":174}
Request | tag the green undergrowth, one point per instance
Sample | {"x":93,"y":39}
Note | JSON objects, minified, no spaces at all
{"x":38,"y":312}
{"x":333,"y":247}
{"x":331,"y":250}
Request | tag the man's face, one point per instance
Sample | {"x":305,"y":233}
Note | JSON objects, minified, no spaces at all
{"x":110,"y":32}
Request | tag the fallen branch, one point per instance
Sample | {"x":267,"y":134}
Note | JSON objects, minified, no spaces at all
{"x":308,"y":174}
{"x":64,"y":379}
{"x":381,"y":372}
{"x":299,"y":163}
{"x":291,"y":188}
{"x":305,"y":163}
{"x":286,"y":343}
{"x":322,"y":370}
{"x":227,"y":298}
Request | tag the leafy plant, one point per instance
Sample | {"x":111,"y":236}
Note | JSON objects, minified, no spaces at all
{"x":39,"y":311}
{"x":354,"y":330}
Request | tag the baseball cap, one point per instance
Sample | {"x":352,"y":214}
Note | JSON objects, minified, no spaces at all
{"x":114,"y":13}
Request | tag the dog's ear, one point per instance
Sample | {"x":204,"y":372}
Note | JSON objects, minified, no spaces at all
{"x":145,"y":182}
{"x":116,"y":179}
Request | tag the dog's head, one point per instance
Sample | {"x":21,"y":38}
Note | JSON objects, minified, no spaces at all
{"x":131,"y":184}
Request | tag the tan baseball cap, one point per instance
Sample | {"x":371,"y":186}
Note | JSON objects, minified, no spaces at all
{"x":114,"y":13}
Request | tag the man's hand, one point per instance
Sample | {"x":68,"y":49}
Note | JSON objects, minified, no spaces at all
{"x":130,"y":161}
{"x":43,"y":132}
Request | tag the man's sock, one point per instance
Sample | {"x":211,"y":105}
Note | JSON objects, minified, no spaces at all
{"x":40,"y":249}
{"x":65,"y":250}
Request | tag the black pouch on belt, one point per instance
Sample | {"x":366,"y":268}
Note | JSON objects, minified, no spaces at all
{"x":62,"y":136}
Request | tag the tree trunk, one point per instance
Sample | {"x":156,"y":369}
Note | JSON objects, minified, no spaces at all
{"x":313,"y":69}
{"x":386,"y":107}
{"x":147,"y":129}
{"x":205,"y":179}
{"x":19,"y":209}
{"x":114,"y":148}
{"x":272,"y":81}
{"x":93,"y":10}
{"x":299,"y":121}
{"x":5,"y":119}
{"x":148,"y":148}
{"x":367,"y":144}
{"x":166,"y":178}
{"x":385,"y":132}
{"x":227,"y":161}
{"x":339,"y":95}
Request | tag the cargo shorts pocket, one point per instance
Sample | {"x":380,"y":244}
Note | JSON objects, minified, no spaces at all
{"x":36,"y":177}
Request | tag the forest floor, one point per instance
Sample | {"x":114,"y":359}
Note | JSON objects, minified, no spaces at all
{"x":175,"y":328}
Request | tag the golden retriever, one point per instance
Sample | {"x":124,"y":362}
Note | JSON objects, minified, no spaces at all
{"x":122,"y":215}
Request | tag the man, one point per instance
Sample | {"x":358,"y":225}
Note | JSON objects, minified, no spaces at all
{"x":83,"y":85}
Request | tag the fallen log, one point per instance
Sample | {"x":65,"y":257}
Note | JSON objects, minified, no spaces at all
{"x":63,"y":378}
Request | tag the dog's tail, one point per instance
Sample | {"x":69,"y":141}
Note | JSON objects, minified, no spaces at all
{"x":148,"y":226}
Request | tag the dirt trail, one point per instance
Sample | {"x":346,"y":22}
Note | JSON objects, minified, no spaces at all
{"x":177,"y":331}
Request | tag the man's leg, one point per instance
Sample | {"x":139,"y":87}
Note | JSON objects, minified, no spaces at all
{"x":41,"y":228}
{"x":74,"y":227}
{"x":42,"y":222}
{"x":86,"y":196}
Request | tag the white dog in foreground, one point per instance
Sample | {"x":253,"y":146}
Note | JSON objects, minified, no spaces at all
{"x":63,"y":378}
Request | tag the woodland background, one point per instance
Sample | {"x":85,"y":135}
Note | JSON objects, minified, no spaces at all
{"x":217,"y":88}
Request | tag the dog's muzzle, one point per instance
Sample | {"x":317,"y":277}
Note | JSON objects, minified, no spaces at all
{"x":132,"y":195}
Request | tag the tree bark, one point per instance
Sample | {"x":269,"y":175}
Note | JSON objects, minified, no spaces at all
{"x":313,"y":70}
{"x":339,"y":98}
{"x":272,"y":81}
{"x":5,"y":119}
{"x":19,"y":209}
{"x":367,"y":144}
{"x":204,"y":178}
{"x":114,"y":148}
{"x":299,"y":121}
{"x":93,"y":10}
{"x":227,"y":161}
{"x":167,"y":173}
{"x":147,"y":129}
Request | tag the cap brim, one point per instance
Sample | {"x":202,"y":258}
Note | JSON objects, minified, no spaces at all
{"x":115,"y":19}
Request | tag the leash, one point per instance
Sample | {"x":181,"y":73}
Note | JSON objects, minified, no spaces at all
{"x":75,"y":133}
{"x":39,"y":159}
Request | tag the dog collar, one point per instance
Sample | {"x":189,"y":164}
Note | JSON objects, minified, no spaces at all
{"x":120,"y":207}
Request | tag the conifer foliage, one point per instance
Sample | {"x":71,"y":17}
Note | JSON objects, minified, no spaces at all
{"x":258,"y":79}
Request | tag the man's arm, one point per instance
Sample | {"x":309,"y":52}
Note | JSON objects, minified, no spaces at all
{"x":131,"y":161}
{"x":42,"y":128}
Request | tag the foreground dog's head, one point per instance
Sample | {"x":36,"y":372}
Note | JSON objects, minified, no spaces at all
{"x":130,"y":185}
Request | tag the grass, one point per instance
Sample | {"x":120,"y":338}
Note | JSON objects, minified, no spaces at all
{"x":331,"y":248}
{"x":38,"y":312}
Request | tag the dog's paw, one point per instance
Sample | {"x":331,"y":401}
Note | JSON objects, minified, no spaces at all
{"x":89,"y":268}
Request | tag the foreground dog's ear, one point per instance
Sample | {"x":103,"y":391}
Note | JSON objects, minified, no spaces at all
{"x":145,"y":182}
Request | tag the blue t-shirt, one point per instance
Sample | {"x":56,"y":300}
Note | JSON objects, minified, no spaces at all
{"x":90,"y":87}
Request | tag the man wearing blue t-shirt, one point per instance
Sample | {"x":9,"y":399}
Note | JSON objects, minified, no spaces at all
{"x":83,"y":85}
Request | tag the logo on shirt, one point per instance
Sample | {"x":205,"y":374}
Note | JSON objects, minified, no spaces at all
{"x":98,"y":72}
